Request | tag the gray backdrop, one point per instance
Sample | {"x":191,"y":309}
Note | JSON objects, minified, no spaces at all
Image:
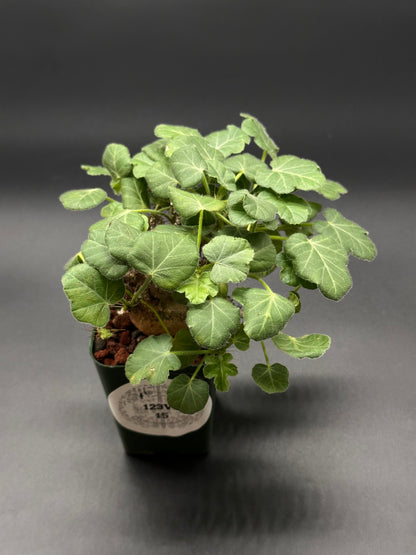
{"x":329,"y":466}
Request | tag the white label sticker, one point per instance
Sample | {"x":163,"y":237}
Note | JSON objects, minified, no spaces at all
{"x":144,"y":408}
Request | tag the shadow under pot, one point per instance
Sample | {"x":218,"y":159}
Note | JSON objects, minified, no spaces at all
{"x":146,"y":423}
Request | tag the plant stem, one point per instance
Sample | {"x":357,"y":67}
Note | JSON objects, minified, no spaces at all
{"x":265,"y":353}
{"x":139,"y":292}
{"x":261,"y":281}
{"x":205,"y":184}
{"x":200,"y":352}
{"x":151,"y":211}
{"x":109,"y":199}
{"x":224,"y":219}
{"x":264,"y":156}
{"x":277,"y":238}
{"x":201,"y":218}
{"x":237,"y":177}
{"x":194,"y":375}
{"x":155,"y":312}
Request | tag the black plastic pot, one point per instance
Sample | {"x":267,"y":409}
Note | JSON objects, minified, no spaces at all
{"x":146,"y":423}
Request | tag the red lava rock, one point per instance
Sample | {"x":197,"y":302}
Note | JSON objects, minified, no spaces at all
{"x":125,"y":337}
{"x":121,"y":356}
{"x":121,"y":321}
{"x":101,"y":355}
{"x":112,"y":346}
{"x":109,"y":362}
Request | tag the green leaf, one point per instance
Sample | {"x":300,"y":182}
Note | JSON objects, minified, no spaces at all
{"x":90,"y":294}
{"x":236,"y":212}
{"x":74,"y":261}
{"x":198,"y":287}
{"x":289,"y":173}
{"x":349,"y":235}
{"x":134,"y":193}
{"x":231,"y":257}
{"x":97,"y":254}
{"x":293,"y":209}
{"x":156,"y":151}
{"x":321,"y":261}
{"x":167,"y":254}
{"x":314,"y":208}
{"x":288,"y":274}
{"x":82,"y":199}
{"x":332,"y":190}
{"x":111,"y":209}
{"x":188,"y":166}
{"x":310,"y":346}
{"x":264,"y":260}
{"x":152,"y":361}
{"x":95,"y":170}
{"x":122,"y":233}
{"x":160,"y":177}
{"x":265,"y":312}
{"x":219,"y":368}
{"x":170,"y":131}
{"x":213,"y":323}
{"x":183,"y":341}
{"x":204,"y":149}
{"x":255,"y":129}
{"x":260,"y":207}
{"x":241,"y":340}
{"x":222,"y":174}
{"x":116,"y":158}
{"x":246,"y":163}
{"x":271,"y":378}
{"x":141,"y":164}
{"x":189,"y":204}
{"x":186,"y":395}
{"x":228,"y":141}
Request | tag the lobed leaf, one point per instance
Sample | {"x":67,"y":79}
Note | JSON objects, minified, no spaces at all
{"x":332,"y":190}
{"x":321,"y":261}
{"x":228,"y":141}
{"x":82,"y":199}
{"x":289,"y":173}
{"x":231,"y":257}
{"x":350,"y":236}
{"x":213,"y":323}
{"x":189,"y":204}
{"x":167,"y":254}
{"x":198,"y":288}
{"x":219,"y":367}
{"x":152,"y":360}
{"x":90,"y":294}
{"x":260,"y":207}
{"x":255,"y":129}
{"x":293,"y":209}
{"x":310,"y":346}
{"x":170,"y":131}
{"x":95,"y":170}
{"x":246,"y":163}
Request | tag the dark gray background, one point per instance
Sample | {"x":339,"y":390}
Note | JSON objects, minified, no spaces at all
{"x":329,"y":466}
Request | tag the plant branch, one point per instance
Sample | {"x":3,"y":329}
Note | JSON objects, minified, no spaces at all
{"x":200,"y":221}
{"x":278,"y":238}
{"x":265,"y":353}
{"x":140,"y":291}
{"x":155,"y":312}
{"x":205,"y":184}
{"x":261,"y":281}
{"x":224,"y":219}
{"x":194,"y":375}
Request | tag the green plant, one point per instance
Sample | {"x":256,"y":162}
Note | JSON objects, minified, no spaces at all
{"x":196,"y":214}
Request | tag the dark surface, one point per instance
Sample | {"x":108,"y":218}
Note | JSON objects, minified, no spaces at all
{"x":326,"y":468}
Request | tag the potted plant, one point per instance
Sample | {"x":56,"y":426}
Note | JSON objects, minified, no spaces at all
{"x":161,"y":276}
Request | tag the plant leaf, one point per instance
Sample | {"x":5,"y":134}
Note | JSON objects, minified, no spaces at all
{"x":74,"y":261}
{"x":228,"y":141}
{"x":189,"y":204}
{"x":186,"y":395}
{"x":255,"y":129}
{"x":349,"y":235}
{"x":170,"y":131}
{"x":219,"y":367}
{"x":156,"y":151}
{"x":95,"y":170}
{"x":141,"y":164}
{"x":152,"y":360}
{"x":265,"y":312}
{"x":188,"y":166}
{"x":310,"y":346}
{"x":260,"y":207}
{"x":288,"y":274}
{"x":97,"y":254}
{"x":167,"y":254}
{"x":246,"y":163}
{"x":241,"y":340}
{"x":82,"y":199}
{"x":223,"y":175}
{"x":332,"y":190}
{"x":264,"y":260}
{"x":122,"y":233}
{"x":183,"y":341}
{"x":293,"y":209}
{"x":231,"y":257}
{"x":289,"y":173}
{"x":213,"y":323}
{"x":134,"y":193}
{"x":90,"y":293}
{"x":160,"y":177}
{"x":198,"y":287}
{"x":321,"y":261}
{"x":204,"y":149}
{"x":117,"y":160}
{"x":112,"y":209}
{"x":236,"y":213}
{"x":271,"y":378}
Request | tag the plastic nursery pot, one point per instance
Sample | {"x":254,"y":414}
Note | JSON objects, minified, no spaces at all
{"x":146,"y":423}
